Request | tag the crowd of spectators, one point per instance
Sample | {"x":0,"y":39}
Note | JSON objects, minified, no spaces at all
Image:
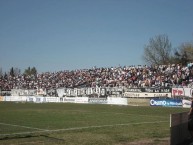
{"x":127,"y":76}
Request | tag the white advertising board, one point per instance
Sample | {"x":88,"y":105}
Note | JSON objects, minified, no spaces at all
{"x":7,"y":98}
{"x":51,"y":99}
{"x":186,"y":103}
{"x":31,"y":99}
{"x":117,"y":101}
{"x":15,"y":98}
{"x":81,"y":100}
{"x":2,"y":98}
{"x":69,"y":100}
{"x":40,"y":99}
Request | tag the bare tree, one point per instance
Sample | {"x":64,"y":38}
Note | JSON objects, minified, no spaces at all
{"x":17,"y":71}
{"x":158,"y":51}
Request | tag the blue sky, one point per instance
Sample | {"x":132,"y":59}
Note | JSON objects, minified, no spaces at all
{"x":54,"y":35}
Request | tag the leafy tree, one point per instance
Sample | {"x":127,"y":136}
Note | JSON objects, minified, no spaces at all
{"x":184,"y":54}
{"x":27,"y":71}
{"x":5,"y":76}
{"x":158,"y":50}
{"x":33,"y":71}
{"x":11,"y":73}
{"x":30,"y":71}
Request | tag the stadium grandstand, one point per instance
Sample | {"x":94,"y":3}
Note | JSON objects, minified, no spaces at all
{"x":130,"y":77}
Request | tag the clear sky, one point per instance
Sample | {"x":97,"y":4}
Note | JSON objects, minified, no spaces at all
{"x":54,"y":35}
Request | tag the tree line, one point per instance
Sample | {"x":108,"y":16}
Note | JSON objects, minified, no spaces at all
{"x":159,"y":51}
{"x":16,"y":71}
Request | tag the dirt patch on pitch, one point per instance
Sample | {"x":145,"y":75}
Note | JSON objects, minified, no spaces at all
{"x":163,"y":141}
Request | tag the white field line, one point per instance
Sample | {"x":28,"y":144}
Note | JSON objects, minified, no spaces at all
{"x":118,"y":113}
{"x":80,"y":128}
{"x":22,"y":126}
{"x":111,"y":125}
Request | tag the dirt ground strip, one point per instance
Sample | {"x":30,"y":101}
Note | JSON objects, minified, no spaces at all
{"x":163,"y":141}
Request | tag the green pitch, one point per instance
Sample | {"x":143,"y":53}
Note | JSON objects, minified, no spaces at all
{"x":62,"y":123}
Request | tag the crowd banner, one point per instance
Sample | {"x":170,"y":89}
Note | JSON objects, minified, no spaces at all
{"x":117,"y":101}
{"x":103,"y":91}
{"x":60,"y":92}
{"x":6,"y":92}
{"x":82,"y":92}
{"x":149,"y":90}
{"x":88,"y":91}
{"x":51,"y":92}
{"x":23,"y":92}
{"x":41,"y":92}
{"x":182,"y":92}
{"x":16,"y":92}
{"x":76,"y":91}
{"x":70,"y":92}
{"x":31,"y":92}
{"x":99,"y":91}
{"x":146,"y":95}
{"x":166,"y":102}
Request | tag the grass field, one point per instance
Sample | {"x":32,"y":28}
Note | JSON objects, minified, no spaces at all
{"x":85,"y":124}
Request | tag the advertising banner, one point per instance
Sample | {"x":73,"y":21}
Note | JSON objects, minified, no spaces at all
{"x":166,"y":102}
{"x":51,"y":99}
{"x":117,"y":101}
{"x":18,"y":98}
{"x":31,"y":99}
{"x":97,"y":100}
{"x":40,"y":99}
{"x":186,"y":103}
{"x":81,"y":100}
{"x":1,"y":98}
{"x":7,"y":98}
{"x":69,"y":99}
